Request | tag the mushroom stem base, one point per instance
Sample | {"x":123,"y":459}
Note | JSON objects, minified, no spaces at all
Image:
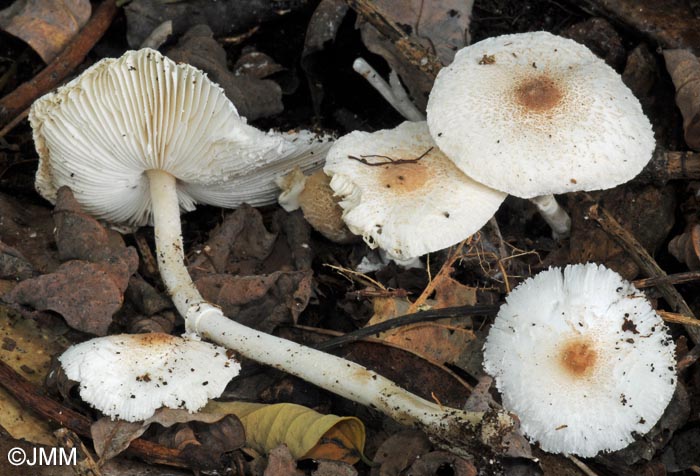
{"x":555,"y":216}
{"x":327,"y":371}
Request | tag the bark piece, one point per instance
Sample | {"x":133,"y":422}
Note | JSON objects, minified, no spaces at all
{"x":684,"y":68}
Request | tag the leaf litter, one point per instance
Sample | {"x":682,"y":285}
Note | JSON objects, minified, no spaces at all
{"x":67,"y":274}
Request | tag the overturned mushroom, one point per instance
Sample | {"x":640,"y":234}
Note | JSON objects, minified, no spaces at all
{"x":401,"y":194}
{"x":534,"y":114}
{"x":146,"y":372}
{"x":141,"y":136}
{"x":582,"y":358}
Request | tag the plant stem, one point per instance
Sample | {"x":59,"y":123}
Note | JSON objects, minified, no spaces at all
{"x":555,"y":216}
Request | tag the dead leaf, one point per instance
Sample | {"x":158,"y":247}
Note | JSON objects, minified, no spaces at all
{"x":256,"y":64}
{"x":46,"y":25}
{"x":431,"y":463}
{"x":440,"y":27}
{"x":281,"y":463}
{"x":79,"y":235}
{"x":28,"y":349}
{"x":262,"y":302}
{"x":683,"y":451}
{"x":111,"y":437}
{"x":598,"y":35}
{"x":237,"y":246}
{"x":322,"y":28}
{"x":29,"y":229}
{"x":224,"y":18}
{"x":254,"y":98}
{"x":446,"y":340}
{"x":647,"y":212}
{"x":334,"y":468}
{"x":13,"y":265}
{"x":85,"y":294}
{"x":399,"y":452}
{"x":307,"y":434}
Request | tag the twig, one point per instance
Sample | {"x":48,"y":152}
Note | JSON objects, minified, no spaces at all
{"x":26,"y":394}
{"x":582,"y":466}
{"x":689,"y":358}
{"x":74,"y":54}
{"x":414,"y":53}
{"x":645,"y":262}
{"x":444,"y":272}
{"x":409,"y":319}
{"x":667,"y":279}
{"x":678,"y":318}
{"x":388,"y":160}
{"x":14,"y":122}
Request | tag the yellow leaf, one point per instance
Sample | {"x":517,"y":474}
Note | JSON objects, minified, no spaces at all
{"x":307,"y":433}
{"x":27,"y":348}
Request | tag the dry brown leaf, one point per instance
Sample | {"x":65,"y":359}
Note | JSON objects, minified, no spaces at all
{"x":430,"y":464}
{"x":111,"y":437}
{"x":446,"y":340}
{"x":254,"y":98}
{"x":28,"y":349}
{"x":399,"y":452}
{"x":85,"y":294}
{"x":440,"y":27}
{"x":281,"y":463}
{"x":262,"y":302}
{"x":307,"y":433}
{"x":46,"y":25}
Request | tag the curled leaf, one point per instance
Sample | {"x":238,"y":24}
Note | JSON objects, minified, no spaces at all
{"x":307,"y":433}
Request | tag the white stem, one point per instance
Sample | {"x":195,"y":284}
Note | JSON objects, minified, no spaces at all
{"x":554,"y":215}
{"x":329,"y":372}
{"x":394,"y":93}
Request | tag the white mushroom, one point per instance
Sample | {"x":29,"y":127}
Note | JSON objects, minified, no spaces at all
{"x":141,"y":136}
{"x":582,"y":358}
{"x":535,"y":114}
{"x":402,"y":194}
{"x":130,"y":376}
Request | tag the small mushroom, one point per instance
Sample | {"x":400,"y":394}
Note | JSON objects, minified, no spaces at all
{"x":130,"y":376}
{"x":535,"y":114}
{"x":401,"y":194}
{"x":141,"y":137}
{"x":313,"y":194}
{"x":582,"y":358}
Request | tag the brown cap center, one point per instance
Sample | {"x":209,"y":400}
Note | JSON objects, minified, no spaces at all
{"x":538,"y":94}
{"x":404,"y":178}
{"x":578,"y":357}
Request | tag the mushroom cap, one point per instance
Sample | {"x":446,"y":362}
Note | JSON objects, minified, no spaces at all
{"x":410,"y":208}
{"x":130,"y":376}
{"x":582,"y":358}
{"x":99,"y":133}
{"x":534,"y":114}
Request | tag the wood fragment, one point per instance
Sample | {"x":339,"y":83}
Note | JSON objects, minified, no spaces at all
{"x":29,"y":396}
{"x":414,"y":53}
{"x":684,"y":68}
{"x":84,"y":465}
{"x":676,"y":278}
{"x":645,"y":262}
{"x":75,"y":52}
{"x":671,"y":165}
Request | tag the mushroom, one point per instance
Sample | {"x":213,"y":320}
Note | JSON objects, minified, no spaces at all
{"x":534,"y":114}
{"x":582,"y":358}
{"x":141,"y":137}
{"x":146,"y":372}
{"x":401,"y":193}
{"x":319,"y":206}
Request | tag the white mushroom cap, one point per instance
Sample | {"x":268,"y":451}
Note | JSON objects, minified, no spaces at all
{"x":130,"y":376}
{"x":99,"y":134}
{"x":534,"y":114}
{"x":407,"y":209}
{"x":582,"y":358}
